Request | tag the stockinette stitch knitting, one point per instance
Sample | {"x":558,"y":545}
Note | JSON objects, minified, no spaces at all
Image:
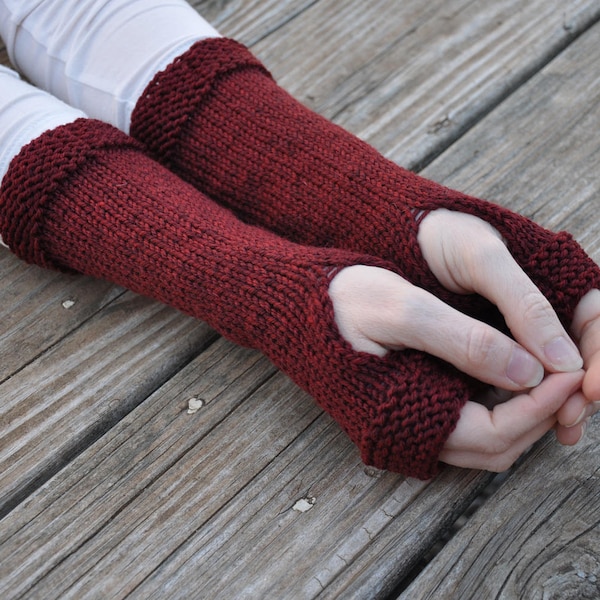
{"x":217,"y":118}
{"x":85,"y":198}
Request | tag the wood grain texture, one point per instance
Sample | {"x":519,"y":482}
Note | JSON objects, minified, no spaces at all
{"x":80,"y":500}
{"x":168,"y":502}
{"x":538,"y":537}
{"x":38,"y":308}
{"x":250,"y":21}
{"x":75,"y":391}
{"x":538,"y":152}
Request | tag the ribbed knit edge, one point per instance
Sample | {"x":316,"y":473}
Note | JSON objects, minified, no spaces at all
{"x":38,"y":171}
{"x":432,"y":424}
{"x":180,"y":89}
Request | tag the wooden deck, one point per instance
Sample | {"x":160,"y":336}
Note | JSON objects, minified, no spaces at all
{"x":110,"y":488}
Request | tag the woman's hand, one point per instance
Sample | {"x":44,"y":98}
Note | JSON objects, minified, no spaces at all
{"x":467,"y":255}
{"x":494,"y":439}
{"x":378,"y":311}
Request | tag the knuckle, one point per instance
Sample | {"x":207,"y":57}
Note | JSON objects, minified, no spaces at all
{"x":503,"y":462}
{"x":536,"y":308}
{"x":480,"y":346}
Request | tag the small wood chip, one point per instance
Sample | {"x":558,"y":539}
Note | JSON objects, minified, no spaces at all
{"x":194,"y":405}
{"x":304,"y":504}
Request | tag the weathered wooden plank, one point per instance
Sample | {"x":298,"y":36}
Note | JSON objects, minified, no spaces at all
{"x":121,"y":465}
{"x":249,"y":21}
{"x":38,"y":308}
{"x":539,"y":536}
{"x":360,"y":531}
{"x":167,"y":502}
{"x":75,"y":391}
{"x":411,"y":76}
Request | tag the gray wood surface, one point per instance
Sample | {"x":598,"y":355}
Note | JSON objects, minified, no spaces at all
{"x":539,"y":536}
{"x":30,"y":296}
{"x":168,"y":502}
{"x":79,"y":388}
{"x":110,"y":488}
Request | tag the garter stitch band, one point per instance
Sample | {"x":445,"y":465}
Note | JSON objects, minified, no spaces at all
{"x":217,"y":119}
{"x":85,"y":198}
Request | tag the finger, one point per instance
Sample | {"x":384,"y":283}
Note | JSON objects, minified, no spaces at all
{"x":473,"y":258}
{"x":591,"y":382}
{"x":586,"y":330}
{"x":473,"y":347}
{"x":497,"y":460}
{"x":482,"y":430}
{"x":576,"y":410}
{"x":515,"y":418}
{"x":376,"y":309}
{"x":493,"y":440}
{"x":569,"y":436}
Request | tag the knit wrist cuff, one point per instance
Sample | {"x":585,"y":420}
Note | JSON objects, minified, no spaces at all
{"x":35,"y":175}
{"x":177,"y":92}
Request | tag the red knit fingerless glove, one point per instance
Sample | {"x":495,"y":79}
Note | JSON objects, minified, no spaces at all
{"x":84,"y":198}
{"x":216,"y":118}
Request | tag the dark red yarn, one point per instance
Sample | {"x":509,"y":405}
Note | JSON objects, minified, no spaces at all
{"x":216,"y":118}
{"x":84,"y":198}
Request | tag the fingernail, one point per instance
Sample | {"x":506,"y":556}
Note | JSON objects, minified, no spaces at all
{"x":588,"y":411}
{"x":584,"y":426}
{"x":524,"y":369}
{"x":563,"y":354}
{"x":581,"y":417}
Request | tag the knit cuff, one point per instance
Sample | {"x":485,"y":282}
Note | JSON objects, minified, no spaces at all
{"x":564,"y":273}
{"x":407,"y":437}
{"x":177,"y":92}
{"x":37,"y":173}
